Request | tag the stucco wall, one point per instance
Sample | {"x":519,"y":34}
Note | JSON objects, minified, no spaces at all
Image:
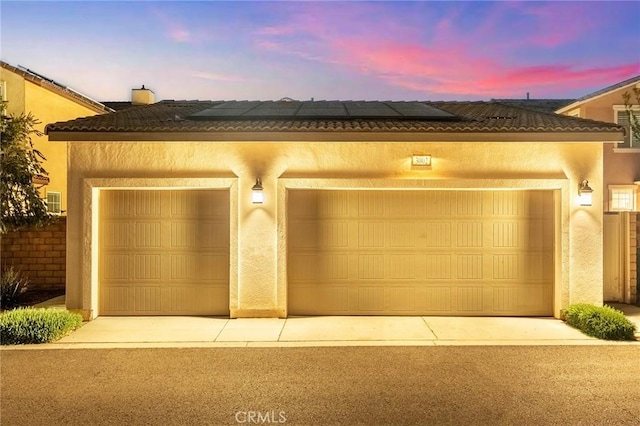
{"x":259,"y":286}
{"x":620,"y":168}
{"x":49,"y":107}
{"x":15,"y":91}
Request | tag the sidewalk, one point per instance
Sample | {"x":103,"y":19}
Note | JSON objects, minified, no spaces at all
{"x":115,"y":332}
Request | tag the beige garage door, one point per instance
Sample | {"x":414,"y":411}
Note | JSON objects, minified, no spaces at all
{"x":374,"y":252}
{"x":164,"y":252}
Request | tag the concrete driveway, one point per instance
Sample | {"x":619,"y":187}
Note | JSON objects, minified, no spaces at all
{"x":321,"y":331}
{"x":327,"y":331}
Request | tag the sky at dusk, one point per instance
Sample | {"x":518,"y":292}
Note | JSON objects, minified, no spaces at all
{"x":355,"y":50}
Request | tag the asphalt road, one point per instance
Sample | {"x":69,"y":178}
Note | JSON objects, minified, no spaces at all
{"x":512,"y":385}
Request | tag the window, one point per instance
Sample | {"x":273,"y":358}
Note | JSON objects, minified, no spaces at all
{"x":622,"y":118}
{"x":54,"y":202}
{"x":622,"y":198}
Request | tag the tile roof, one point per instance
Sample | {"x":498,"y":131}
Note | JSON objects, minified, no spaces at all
{"x":175,"y":116}
{"x":118,"y":105}
{"x":542,"y":105}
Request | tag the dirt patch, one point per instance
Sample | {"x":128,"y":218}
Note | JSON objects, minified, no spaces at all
{"x":33,"y":297}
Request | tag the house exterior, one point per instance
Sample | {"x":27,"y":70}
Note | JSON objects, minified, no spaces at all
{"x":40,"y":253}
{"x":621,"y":188}
{"x":28,"y":92}
{"x":362,"y":208}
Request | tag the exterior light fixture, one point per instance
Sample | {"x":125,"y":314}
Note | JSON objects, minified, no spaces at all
{"x":421,"y":160}
{"x":257,"y":194}
{"x":585,"y":193}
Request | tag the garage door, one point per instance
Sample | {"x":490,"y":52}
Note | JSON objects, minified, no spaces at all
{"x":375,"y":252}
{"x":164,"y":252}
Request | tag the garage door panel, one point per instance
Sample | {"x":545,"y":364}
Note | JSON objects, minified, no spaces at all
{"x":166,"y":251}
{"x":438,"y":234}
{"x":199,"y":267}
{"x":439,"y":299}
{"x":147,"y":204}
{"x":419,"y":260}
{"x":147,"y":299}
{"x":469,"y":203}
{"x":404,"y":234}
{"x":116,"y":298}
{"x":197,"y":300}
{"x":400,"y":299}
{"x":194,"y":234}
{"x":116,"y":235}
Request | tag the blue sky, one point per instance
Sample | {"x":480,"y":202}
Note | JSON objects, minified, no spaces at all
{"x":438,"y":50}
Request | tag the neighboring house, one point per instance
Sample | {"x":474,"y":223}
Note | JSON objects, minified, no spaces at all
{"x":40,"y":253}
{"x":272,"y":209}
{"x":621,"y":189}
{"x":29,"y":92}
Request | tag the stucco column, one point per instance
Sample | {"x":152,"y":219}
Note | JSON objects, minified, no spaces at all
{"x":586,"y":267}
{"x":257,"y":251}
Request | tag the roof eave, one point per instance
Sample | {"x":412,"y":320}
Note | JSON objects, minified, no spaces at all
{"x":594,"y":96}
{"x":359,"y":136}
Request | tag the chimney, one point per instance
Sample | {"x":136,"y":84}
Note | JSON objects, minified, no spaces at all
{"x":527,"y":94}
{"x":142,"y":96}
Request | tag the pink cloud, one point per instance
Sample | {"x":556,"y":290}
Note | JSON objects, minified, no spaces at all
{"x":558,"y":23}
{"x":443,"y":56}
{"x":173,"y":29}
{"x":227,"y":78}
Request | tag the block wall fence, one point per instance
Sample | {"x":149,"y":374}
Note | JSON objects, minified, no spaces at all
{"x":40,"y":253}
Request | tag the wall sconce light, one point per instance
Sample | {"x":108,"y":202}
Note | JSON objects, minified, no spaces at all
{"x":257,"y":194}
{"x":585,"y":193}
{"x":420,"y":160}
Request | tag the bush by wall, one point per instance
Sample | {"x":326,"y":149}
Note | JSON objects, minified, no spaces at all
{"x":603,"y":322}
{"x":36,"y":325}
{"x":13,"y":284}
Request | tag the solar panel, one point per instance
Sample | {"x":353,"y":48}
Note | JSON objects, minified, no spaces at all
{"x":227,"y":109}
{"x":322,"y":109}
{"x":341,"y":110}
{"x":370,"y":109}
{"x":419,"y":109}
{"x":275,"y":109}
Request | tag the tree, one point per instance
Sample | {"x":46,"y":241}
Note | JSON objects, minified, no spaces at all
{"x":20,"y":163}
{"x":634,"y":115}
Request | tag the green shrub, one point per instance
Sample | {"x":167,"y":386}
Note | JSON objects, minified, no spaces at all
{"x":13,"y":284}
{"x":603,"y":322}
{"x":36,"y":325}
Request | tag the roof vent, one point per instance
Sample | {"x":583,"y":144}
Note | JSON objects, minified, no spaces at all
{"x":142,"y":96}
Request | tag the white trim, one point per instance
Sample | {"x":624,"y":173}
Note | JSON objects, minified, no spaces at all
{"x":617,"y":109}
{"x":57,"y":211}
{"x":91,"y":194}
{"x":629,"y":190}
{"x":626,"y":150}
{"x":562,"y":214}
